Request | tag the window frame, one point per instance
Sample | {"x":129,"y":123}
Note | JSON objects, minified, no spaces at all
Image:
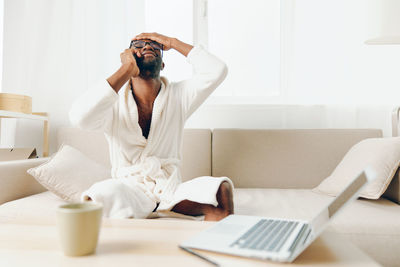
{"x":200,"y":37}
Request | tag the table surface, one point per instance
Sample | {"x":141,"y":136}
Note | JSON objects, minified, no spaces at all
{"x":151,"y":243}
{"x":33,"y":116}
{"x":42,"y":116}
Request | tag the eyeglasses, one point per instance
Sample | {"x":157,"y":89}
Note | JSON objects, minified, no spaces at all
{"x":141,"y":44}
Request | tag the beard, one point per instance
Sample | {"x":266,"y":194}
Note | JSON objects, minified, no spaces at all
{"x":149,"y":69}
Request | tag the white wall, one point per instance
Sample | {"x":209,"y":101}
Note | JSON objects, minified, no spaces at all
{"x":54,"y":50}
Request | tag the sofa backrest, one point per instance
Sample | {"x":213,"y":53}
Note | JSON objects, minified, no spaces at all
{"x":93,"y":144}
{"x":251,"y":158}
{"x":281,"y":158}
{"x":196,"y":149}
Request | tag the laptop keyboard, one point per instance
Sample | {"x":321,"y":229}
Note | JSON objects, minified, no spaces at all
{"x":266,"y":235}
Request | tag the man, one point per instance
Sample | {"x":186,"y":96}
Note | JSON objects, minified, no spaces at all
{"x":143,"y":123}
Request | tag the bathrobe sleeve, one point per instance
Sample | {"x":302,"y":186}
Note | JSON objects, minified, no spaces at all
{"x":208,"y":73}
{"x":94,"y":109}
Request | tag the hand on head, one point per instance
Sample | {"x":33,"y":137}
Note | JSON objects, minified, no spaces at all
{"x":146,"y":58}
{"x":165,"y":41}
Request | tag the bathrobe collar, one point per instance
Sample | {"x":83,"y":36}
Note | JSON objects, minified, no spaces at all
{"x":131,"y":115}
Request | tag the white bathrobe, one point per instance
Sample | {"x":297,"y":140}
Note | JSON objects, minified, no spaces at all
{"x":146,"y":172}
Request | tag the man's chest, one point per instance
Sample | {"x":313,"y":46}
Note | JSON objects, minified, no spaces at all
{"x":145,"y":115}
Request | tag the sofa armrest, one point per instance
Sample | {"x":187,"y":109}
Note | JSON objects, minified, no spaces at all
{"x":16,"y":182}
{"x":393,"y":191}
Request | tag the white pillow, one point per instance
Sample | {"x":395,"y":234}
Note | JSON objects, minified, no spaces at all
{"x":68,"y":173}
{"x":382,"y":154}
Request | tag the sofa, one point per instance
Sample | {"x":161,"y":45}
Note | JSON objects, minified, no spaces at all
{"x":273,"y":172}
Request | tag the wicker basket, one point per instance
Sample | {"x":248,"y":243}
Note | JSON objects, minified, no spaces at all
{"x":16,"y":103}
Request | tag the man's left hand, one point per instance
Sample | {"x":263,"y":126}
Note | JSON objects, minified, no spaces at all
{"x":159,"y":38}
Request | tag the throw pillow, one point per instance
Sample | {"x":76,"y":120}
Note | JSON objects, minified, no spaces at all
{"x":382,"y":154}
{"x":68,"y":173}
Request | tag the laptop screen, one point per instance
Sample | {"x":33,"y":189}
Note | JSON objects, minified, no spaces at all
{"x":346,"y":194}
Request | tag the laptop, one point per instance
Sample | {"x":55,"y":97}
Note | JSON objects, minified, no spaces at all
{"x":273,"y":239}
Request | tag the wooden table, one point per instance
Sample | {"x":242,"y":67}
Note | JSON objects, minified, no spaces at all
{"x":150,"y":243}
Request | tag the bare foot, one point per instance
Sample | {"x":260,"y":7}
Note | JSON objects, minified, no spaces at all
{"x":225,"y":204}
{"x":224,"y":208}
{"x":215,"y":214}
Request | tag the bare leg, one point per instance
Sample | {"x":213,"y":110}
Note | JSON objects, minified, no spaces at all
{"x":224,"y":208}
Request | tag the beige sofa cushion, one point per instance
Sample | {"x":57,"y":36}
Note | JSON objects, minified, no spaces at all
{"x":93,"y":144}
{"x":35,"y":208}
{"x":196,"y":152}
{"x":68,"y":173}
{"x":281,"y":158}
{"x":381,"y":154}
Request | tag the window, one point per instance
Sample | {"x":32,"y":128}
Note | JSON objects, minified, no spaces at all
{"x":246,"y":35}
{"x":231,"y":29}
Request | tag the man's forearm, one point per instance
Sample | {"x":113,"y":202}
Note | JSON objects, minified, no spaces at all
{"x":119,"y":78}
{"x":181,"y":47}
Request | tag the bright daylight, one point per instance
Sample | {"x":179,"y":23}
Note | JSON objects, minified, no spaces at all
{"x":199,"y":133}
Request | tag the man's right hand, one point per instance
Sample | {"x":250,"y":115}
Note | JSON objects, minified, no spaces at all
{"x":128,"y":60}
{"x":127,"y":70}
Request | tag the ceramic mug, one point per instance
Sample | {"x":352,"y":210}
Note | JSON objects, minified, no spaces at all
{"x":79,"y":226}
